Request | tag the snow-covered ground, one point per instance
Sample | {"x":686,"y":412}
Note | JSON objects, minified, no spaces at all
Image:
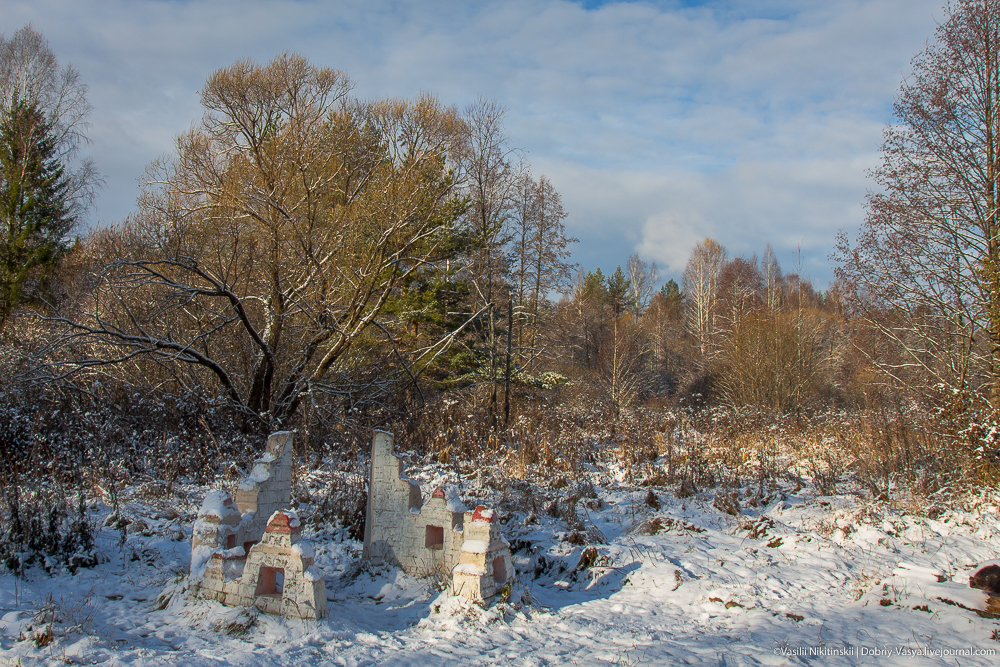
{"x":831,"y":580}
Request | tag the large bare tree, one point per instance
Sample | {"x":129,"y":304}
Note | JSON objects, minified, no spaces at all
{"x":269,"y":242}
{"x":925,"y":267}
{"x":491,"y":170}
{"x":539,"y":258}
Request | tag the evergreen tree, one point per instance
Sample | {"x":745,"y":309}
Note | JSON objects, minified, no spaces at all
{"x":670,"y":292}
{"x":619,"y":292}
{"x":35,"y":209}
{"x":594,"y":286}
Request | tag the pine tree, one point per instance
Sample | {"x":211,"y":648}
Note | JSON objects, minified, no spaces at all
{"x":619,"y":292}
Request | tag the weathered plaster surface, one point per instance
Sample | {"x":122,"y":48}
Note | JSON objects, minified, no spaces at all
{"x":235,"y":580}
{"x":402,"y":530}
{"x":238,"y":547}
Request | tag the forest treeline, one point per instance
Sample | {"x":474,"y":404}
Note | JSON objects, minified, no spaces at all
{"x":306,"y":259}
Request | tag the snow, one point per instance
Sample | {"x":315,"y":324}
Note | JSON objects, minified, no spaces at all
{"x":475,"y":546}
{"x":468,"y":568}
{"x":454,"y":501}
{"x":987,"y":563}
{"x":840,"y":576}
{"x":11,"y":623}
{"x":933,"y":586}
{"x":303,"y":550}
{"x":258,"y":475}
{"x":199,"y":560}
{"x":206,"y":530}
{"x":215,"y":505}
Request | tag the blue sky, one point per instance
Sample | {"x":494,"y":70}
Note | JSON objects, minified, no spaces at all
{"x":660,"y":123}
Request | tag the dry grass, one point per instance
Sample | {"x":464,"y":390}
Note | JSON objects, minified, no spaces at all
{"x":748,"y":456}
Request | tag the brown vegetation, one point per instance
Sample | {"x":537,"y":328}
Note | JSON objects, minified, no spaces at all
{"x":307,"y":260}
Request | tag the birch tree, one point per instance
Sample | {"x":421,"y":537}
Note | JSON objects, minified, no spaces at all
{"x":925,"y":267}
{"x":700,"y":282}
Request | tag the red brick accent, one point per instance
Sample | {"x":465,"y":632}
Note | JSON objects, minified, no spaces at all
{"x":279,"y":524}
{"x":478,"y":514}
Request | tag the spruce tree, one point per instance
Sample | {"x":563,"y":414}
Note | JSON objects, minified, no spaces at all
{"x":35,"y":211}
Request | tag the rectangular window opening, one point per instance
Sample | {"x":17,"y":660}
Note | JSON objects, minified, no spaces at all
{"x":434,"y":537}
{"x":230,"y":541}
{"x":271,"y":581}
{"x":499,"y":570}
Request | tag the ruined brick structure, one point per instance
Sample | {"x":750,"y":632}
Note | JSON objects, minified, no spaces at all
{"x":439,"y":537}
{"x":249,"y":553}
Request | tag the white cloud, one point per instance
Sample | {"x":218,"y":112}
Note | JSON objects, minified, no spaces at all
{"x":751,"y":122}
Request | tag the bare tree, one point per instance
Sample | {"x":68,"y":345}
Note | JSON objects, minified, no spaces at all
{"x":524,"y":230}
{"x":700,"y":282}
{"x":552,"y":269}
{"x":643,"y":279}
{"x":268,"y":244}
{"x":740,"y":286}
{"x":621,"y":372}
{"x":30,"y":75}
{"x":664,"y":322}
{"x":925,"y":268}
{"x":491,"y":172}
{"x":771,"y":271}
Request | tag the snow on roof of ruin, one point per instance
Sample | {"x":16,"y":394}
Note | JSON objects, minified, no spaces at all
{"x":475,"y":546}
{"x":303,"y":550}
{"x":259,"y":473}
{"x":483,"y":514}
{"x":283,"y":521}
{"x":217,"y":503}
{"x":450,"y":494}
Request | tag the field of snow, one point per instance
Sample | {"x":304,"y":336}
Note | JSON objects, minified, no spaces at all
{"x":831,"y":580}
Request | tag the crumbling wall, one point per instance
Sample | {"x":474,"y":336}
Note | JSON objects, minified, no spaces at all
{"x":392,"y":498}
{"x":422,"y":538}
{"x":268,"y":487}
{"x":248,"y":552}
{"x":431,"y":538}
{"x":253,"y":580}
